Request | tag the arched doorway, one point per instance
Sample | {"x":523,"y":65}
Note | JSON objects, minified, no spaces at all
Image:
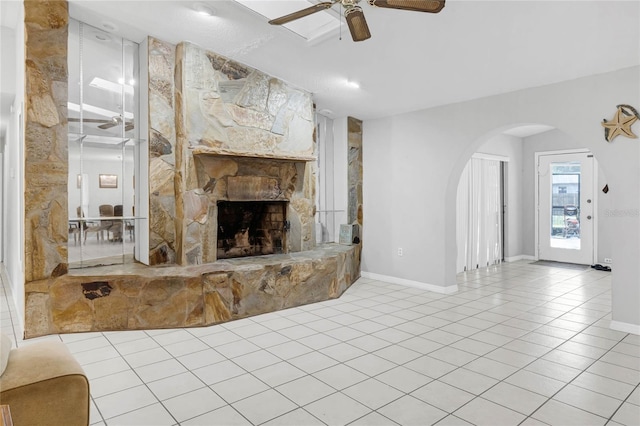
{"x":518,"y":144}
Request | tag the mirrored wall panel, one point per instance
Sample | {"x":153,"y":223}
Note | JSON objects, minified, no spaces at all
{"x":103,"y":146}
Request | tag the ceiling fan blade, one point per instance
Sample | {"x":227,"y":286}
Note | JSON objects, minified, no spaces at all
{"x":88,"y":120}
{"x":107,"y":125}
{"x":357,"y":24}
{"x":431,"y":6}
{"x":302,"y":13}
{"x":128,"y":126}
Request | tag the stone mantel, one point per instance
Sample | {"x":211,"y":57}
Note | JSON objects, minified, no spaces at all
{"x":203,"y":150}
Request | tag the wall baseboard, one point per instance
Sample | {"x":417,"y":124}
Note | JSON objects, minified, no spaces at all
{"x":18,"y":322}
{"x":625,"y":327}
{"x":519,"y":257}
{"x":410,"y":283}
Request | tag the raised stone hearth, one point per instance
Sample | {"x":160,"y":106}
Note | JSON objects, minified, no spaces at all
{"x":134,"y":297}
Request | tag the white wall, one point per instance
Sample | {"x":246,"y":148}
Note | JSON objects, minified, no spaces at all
{"x":413,"y":164}
{"x":7,"y":74}
{"x":13,"y":178}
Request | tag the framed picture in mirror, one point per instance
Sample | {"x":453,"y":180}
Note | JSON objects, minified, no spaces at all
{"x":108,"y":181}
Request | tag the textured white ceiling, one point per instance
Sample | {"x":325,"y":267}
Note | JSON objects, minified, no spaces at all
{"x":414,"y":60}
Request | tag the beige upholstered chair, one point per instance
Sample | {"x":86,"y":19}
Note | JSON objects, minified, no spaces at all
{"x":43,"y":384}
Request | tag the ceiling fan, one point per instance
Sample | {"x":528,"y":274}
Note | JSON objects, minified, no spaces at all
{"x":355,"y":17}
{"x":106,"y":124}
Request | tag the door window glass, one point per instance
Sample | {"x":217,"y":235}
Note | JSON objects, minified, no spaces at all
{"x":565,"y":205}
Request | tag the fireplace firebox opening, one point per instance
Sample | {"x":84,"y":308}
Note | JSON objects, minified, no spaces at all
{"x":251,"y":228}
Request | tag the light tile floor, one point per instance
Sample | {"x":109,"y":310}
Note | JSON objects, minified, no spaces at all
{"x":518,"y":344}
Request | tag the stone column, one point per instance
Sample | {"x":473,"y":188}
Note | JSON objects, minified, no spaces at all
{"x":355,"y":171}
{"x":162,"y":148}
{"x":45,"y":149}
{"x":182,"y":154}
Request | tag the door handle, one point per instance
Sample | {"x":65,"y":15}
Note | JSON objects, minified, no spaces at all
{"x":589,"y":217}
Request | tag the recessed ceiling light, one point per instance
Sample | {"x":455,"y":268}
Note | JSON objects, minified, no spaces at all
{"x":353,"y":84}
{"x":203,"y":9}
{"x":100,"y":83}
{"x":102,"y":37}
{"x":109,"y":26}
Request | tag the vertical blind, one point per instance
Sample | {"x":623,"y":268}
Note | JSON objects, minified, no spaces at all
{"x":479,"y":215}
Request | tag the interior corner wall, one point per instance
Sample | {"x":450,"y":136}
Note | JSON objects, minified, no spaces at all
{"x":406,"y":159}
{"x":413,"y":164}
{"x":13,"y":178}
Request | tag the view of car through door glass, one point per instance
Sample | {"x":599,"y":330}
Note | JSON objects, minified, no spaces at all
{"x":565,"y":205}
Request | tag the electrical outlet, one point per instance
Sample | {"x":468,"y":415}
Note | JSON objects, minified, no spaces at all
{"x":608,"y":260}
{"x":399,"y":251}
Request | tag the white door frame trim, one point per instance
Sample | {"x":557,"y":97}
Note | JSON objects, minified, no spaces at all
{"x":537,"y":156}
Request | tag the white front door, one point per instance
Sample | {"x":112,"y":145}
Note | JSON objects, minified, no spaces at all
{"x":566,"y":207}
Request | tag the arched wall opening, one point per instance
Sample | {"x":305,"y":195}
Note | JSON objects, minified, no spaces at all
{"x":517,"y":146}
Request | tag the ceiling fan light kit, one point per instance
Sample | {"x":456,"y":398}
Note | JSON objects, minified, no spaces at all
{"x":354,"y":14}
{"x":357,"y":24}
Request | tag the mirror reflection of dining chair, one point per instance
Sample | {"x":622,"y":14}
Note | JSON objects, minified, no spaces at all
{"x":74,"y":229}
{"x":116,"y":228}
{"x":89,"y":227}
{"x":106,"y":210}
{"x":129,"y":225}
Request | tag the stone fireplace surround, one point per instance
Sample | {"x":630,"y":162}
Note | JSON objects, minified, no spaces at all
{"x":188,"y":287}
{"x":244,"y":179}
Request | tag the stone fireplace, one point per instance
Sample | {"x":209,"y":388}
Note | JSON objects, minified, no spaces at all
{"x":249,"y":207}
{"x":251,"y":228}
{"x":223,"y":132}
{"x":218,"y":130}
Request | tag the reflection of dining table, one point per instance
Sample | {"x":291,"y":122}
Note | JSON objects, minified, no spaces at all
{"x":81,"y":226}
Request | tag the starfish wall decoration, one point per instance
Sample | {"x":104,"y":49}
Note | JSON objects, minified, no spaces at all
{"x":625,"y":116}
